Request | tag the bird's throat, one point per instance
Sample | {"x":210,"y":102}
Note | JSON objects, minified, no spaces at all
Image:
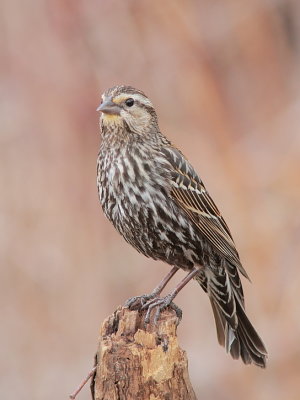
{"x":109,"y":119}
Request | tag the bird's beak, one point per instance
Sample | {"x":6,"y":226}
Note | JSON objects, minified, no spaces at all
{"x":109,"y":107}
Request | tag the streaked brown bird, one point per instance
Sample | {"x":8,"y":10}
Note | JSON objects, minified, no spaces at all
{"x":158,"y":203}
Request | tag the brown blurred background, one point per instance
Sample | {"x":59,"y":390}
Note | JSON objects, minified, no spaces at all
{"x":224,"y":77}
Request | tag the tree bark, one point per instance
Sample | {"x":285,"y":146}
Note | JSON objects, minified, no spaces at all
{"x":138,"y":362}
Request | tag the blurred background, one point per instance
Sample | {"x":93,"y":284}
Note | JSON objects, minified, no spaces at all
{"x":224,"y":78}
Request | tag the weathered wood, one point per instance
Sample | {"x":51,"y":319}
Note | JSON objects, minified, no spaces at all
{"x":141,"y":363}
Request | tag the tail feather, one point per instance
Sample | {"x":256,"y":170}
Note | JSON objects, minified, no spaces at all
{"x":220,"y":323}
{"x":234,"y":330}
{"x":242,"y":342}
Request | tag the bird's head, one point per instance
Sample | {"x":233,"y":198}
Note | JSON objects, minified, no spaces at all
{"x":127,"y":108}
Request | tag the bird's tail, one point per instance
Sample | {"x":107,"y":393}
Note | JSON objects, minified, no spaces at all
{"x":240,"y":341}
{"x":234,"y":330}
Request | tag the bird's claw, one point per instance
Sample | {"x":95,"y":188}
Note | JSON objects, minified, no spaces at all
{"x":149,"y":302}
{"x":138,"y":302}
{"x":160,"y":304}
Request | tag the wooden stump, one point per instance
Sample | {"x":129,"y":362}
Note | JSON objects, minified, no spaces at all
{"x":140,"y":363}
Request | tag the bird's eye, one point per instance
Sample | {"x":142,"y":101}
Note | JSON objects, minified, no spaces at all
{"x":129,"y":102}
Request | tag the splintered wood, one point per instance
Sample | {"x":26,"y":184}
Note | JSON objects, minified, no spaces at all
{"x":138,"y":362}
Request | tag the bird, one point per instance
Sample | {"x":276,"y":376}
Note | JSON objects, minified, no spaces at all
{"x":156,"y":200}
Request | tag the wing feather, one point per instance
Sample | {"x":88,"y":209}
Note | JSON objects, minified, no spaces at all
{"x":190,"y":194}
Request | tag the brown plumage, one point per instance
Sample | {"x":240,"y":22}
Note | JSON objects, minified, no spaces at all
{"x":158,"y":203}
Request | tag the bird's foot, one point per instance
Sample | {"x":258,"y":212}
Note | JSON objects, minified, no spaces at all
{"x":160,"y":303}
{"x":137,"y":302}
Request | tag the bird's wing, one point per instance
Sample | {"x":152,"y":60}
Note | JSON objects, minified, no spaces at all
{"x":191,"y":195}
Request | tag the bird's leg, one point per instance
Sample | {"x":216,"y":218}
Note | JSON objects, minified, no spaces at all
{"x":159,"y":288}
{"x":141,"y":300}
{"x":164,"y":302}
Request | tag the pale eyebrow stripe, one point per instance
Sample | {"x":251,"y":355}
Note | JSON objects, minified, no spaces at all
{"x":143,"y":100}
